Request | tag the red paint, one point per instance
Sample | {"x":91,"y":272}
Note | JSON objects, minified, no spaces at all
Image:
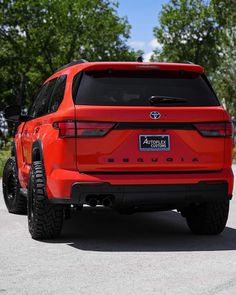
{"x":69,"y":160}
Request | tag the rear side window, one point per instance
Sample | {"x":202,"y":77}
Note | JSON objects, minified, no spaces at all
{"x":39,"y":107}
{"x":58,"y":94}
{"x":135,"y":88}
{"x":75,"y":85}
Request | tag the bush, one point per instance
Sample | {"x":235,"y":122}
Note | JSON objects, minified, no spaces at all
{"x":4,"y":155}
{"x":234,"y":155}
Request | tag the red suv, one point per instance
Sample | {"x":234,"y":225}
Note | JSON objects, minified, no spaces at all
{"x":131,"y":136}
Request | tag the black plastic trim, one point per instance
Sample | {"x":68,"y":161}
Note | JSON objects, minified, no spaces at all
{"x":37,"y":146}
{"x":14,"y":153}
{"x":155,"y":196}
{"x":152,"y":125}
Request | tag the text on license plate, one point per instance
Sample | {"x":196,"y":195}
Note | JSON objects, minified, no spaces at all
{"x":154,"y":142}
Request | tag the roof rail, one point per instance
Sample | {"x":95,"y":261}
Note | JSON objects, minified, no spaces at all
{"x":72,"y":63}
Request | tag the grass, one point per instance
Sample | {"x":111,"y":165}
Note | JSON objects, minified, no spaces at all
{"x":4,"y":155}
{"x":234,"y":155}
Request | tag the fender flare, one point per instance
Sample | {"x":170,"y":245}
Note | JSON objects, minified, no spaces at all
{"x":37,"y":151}
{"x":14,"y":152}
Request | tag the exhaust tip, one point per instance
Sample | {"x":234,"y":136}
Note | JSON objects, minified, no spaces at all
{"x":93,"y":202}
{"x":107,"y":202}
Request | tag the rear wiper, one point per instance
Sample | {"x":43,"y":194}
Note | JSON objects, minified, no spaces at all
{"x":156,"y":99}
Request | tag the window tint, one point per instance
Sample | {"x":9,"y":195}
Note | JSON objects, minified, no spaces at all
{"x":58,"y":94}
{"x":32,"y":106}
{"x":39,"y":107}
{"x":134,"y":88}
{"x":75,"y":85}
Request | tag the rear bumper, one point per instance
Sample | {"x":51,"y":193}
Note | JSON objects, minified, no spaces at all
{"x":159,"y":197}
{"x":60,"y":181}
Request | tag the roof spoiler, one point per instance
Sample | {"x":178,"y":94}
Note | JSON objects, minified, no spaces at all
{"x":72,"y":63}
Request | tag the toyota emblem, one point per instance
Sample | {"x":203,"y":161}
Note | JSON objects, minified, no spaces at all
{"x":155,"y":115}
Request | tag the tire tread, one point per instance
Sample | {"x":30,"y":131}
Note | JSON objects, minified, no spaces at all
{"x":48,"y":219}
{"x":19,"y":205}
{"x":208,"y":218}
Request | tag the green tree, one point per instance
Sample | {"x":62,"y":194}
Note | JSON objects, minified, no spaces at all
{"x":38,"y":36}
{"x":202,"y":32}
{"x":224,"y":78}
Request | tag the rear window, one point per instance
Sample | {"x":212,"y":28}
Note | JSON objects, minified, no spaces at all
{"x":134,"y":88}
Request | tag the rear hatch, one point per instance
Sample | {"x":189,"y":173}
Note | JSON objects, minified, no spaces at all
{"x":147,"y":120}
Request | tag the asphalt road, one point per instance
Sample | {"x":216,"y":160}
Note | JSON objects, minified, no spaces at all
{"x":101,"y":252}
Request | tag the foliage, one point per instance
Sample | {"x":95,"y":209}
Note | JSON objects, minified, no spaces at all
{"x":4,"y":155}
{"x":234,"y":155}
{"x":38,"y":36}
{"x":202,"y":32}
{"x":224,"y":78}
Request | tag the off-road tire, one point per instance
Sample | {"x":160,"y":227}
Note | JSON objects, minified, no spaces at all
{"x":207,"y":218}
{"x":44,"y":219}
{"x":14,"y":200}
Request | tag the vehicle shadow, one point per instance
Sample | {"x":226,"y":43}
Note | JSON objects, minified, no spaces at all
{"x":106,"y":230}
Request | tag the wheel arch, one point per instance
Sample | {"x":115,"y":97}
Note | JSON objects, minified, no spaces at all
{"x":13,"y":149}
{"x":37,"y":151}
{"x":14,"y":153}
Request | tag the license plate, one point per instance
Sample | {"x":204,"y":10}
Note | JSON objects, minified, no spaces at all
{"x":154,"y":142}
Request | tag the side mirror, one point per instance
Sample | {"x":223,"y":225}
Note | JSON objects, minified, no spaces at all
{"x":13,"y":113}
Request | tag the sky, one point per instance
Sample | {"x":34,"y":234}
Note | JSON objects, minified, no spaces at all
{"x":143,"y":17}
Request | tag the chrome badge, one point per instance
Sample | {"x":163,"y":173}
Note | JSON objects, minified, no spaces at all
{"x":155,"y":115}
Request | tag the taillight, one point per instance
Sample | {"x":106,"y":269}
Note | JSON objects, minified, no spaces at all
{"x":218,"y":129}
{"x":66,"y":128}
{"x":87,"y":129}
{"x":82,"y":129}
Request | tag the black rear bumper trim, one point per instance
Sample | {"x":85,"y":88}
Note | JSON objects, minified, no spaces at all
{"x":171,"y":196}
